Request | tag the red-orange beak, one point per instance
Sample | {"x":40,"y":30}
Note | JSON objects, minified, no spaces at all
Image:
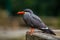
{"x":22,"y":12}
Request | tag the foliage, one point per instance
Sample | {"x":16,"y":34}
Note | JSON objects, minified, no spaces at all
{"x":40,"y":7}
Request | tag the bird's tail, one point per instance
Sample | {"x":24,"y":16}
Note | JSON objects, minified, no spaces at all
{"x":48,"y":31}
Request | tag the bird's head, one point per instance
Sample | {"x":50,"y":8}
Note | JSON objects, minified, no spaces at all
{"x":26,"y":10}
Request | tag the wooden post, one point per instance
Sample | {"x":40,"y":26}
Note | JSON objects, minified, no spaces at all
{"x":40,"y":36}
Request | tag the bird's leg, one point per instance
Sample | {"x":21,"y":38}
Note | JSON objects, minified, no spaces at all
{"x":31,"y":30}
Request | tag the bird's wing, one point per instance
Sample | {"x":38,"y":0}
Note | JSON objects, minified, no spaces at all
{"x":38,"y":22}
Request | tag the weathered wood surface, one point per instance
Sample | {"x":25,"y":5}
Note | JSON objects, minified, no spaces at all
{"x":41,"y":36}
{"x":19,"y":34}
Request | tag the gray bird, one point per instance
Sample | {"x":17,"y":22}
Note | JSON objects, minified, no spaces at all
{"x":34,"y":21}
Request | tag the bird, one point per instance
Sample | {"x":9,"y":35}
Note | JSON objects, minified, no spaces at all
{"x":34,"y":21}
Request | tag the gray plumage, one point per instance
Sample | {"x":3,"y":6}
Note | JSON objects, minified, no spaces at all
{"x":34,"y":21}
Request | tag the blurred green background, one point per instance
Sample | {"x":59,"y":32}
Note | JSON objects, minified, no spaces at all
{"x":48,"y":10}
{"x":40,"y":7}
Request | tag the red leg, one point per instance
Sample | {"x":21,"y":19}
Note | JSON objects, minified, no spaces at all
{"x":31,"y":31}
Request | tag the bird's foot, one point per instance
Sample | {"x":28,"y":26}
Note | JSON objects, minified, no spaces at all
{"x":31,"y":31}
